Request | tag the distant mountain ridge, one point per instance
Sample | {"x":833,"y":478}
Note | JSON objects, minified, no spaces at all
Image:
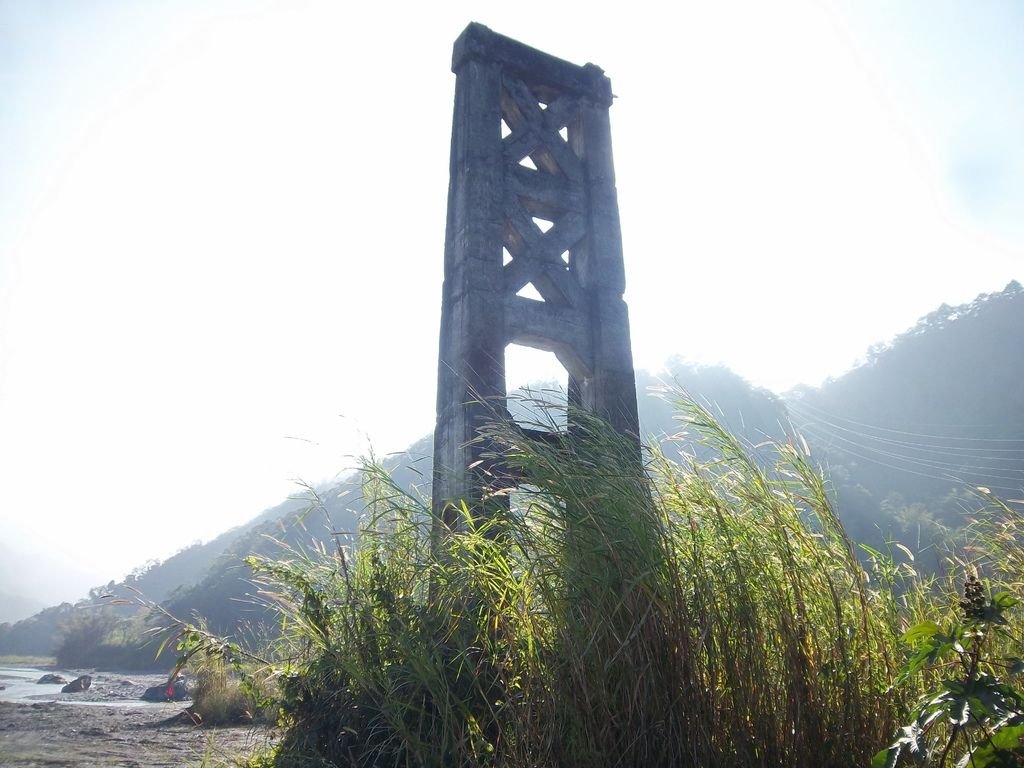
{"x":210,"y":580}
{"x":937,"y":410}
{"x":958,"y":366}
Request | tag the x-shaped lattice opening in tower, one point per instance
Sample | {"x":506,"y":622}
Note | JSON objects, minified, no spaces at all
{"x":542,"y":258}
{"x":539,"y":128}
{"x":544,"y":221}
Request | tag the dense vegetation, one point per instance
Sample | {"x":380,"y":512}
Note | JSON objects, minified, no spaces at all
{"x":705,"y":612}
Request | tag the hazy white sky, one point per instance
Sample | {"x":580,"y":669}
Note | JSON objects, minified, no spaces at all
{"x":221,"y":225}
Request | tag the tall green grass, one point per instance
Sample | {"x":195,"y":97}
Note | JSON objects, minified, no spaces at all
{"x":709,"y":615}
{"x":612,"y":613}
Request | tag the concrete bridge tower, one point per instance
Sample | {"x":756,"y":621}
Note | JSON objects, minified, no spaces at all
{"x":531,"y":201}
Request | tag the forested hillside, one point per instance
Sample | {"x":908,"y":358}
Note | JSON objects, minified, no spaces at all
{"x":936,"y":411}
{"x":902,"y":438}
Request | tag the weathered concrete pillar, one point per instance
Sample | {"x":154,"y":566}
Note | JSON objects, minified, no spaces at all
{"x":531,"y":200}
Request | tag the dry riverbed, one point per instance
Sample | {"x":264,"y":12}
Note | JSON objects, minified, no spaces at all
{"x":108,"y":726}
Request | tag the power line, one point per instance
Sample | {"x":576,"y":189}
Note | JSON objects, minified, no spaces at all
{"x":807,"y":406}
{"x":928,"y":448}
{"x":949,"y":471}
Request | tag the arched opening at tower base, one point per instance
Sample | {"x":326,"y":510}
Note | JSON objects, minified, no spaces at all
{"x":538,"y":388}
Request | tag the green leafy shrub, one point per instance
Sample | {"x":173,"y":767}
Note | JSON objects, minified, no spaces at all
{"x":229,"y":683}
{"x":971,"y":714}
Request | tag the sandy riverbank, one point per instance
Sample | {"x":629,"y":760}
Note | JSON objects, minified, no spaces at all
{"x":108,"y":726}
{"x":58,"y":734}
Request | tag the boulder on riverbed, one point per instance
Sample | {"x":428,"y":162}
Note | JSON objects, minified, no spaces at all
{"x":174,"y":691}
{"x":51,"y":679}
{"x":78,"y":685}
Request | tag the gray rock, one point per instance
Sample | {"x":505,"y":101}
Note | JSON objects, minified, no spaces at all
{"x":78,"y":685}
{"x":176,"y":691}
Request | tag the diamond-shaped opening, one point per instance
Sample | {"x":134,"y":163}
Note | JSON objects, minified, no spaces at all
{"x":564,"y":133}
{"x":565,"y":257}
{"x":505,"y":130}
{"x":506,"y":257}
{"x":543,"y":224}
{"x":542,"y":104}
{"x":527,"y":162}
{"x":529,"y":291}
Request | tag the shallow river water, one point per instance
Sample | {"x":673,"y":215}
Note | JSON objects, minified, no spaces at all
{"x":108,"y":688}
